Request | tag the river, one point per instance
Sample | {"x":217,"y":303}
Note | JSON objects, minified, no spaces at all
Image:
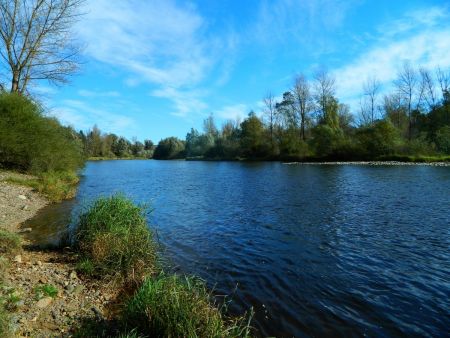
{"x":335,"y":250}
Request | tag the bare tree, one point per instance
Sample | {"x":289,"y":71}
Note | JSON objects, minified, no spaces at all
{"x":372,"y":88}
{"x":407,"y":83}
{"x":303,"y":101}
{"x":428,"y":87}
{"x":443,"y":78}
{"x":270,"y":111}
{"x":324,"y":88}
{"x":36,"y":40}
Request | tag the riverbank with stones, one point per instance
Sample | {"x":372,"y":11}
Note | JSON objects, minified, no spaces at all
{"x":375,"y":163}
{"x":74,"y":300}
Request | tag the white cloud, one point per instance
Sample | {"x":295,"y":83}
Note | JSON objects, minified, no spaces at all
{"x":84,"y":116}
{"x":92,"y":93}
{"x":233,"y":112}
{"x":425,"y":42}
{"x":158,"y":43}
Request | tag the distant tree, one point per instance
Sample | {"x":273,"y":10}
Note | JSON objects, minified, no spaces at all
{"x":286,"y":110}
{"x":324,"y":91}
{"x":36,"y":40}
{"x":148,"y":145}
{"x":169,"y":148}
{"x":372,"y":88}
{"x":252,"y":136}
{"x":270,"y":111}
{"x":303,"y":101}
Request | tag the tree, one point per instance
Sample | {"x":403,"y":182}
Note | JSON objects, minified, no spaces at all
{"x":303,"y":101}
{"x":252,"y":136}
{"x":372,"y":88}
{"x":286,"y":110}
{"x":324,"y":91}
{"x":36,"y":40}
{"x":270,"y":111}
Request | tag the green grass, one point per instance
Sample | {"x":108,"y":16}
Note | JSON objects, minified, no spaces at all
{"x":5,"y":329}
{"x":10,"y":243}
{"x":113,"y":239}
{"x":46,"y":290}
{"x":174,"y":306}
{"x":415,"y":158}
{"x":56,"y":186}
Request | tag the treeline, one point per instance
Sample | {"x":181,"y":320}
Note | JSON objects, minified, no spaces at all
{"x":103,"y":145}
{"x":310,"y":123}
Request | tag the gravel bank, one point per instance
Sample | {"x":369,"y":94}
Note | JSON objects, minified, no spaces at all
{"x":375,"y":163}
{"x":17,"y":203}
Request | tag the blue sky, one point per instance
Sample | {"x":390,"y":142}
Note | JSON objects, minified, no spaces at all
{"x":153,"y":69}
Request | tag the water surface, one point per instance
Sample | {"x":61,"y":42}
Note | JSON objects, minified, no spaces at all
{"x":315,"y":250}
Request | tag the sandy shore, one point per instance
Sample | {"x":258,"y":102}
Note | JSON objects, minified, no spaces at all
{"x":78,"y":300}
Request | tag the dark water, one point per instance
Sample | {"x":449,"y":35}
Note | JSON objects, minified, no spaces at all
{"x":316,"y":250}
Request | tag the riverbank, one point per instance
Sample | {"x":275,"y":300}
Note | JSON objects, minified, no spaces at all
{"x":40,"y":289}
{"x":375,"y":163}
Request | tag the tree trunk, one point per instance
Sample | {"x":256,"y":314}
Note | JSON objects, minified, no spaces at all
{"x":15,"y":82}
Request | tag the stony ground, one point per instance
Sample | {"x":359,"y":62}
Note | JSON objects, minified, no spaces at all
{"x":17,"y":203}
{"x":37,"y":314}
{"x":75,"y":301}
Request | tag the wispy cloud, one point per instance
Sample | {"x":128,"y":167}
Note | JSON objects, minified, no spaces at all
{"x":232,"y":112}
{"x":92,"y":93}
{"x":161,"y":44}
{"x":424,"y":42}
{"x":84,"y":116}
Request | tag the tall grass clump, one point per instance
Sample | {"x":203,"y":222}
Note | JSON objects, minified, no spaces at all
{"x":174,"y":306}
{"x":113,"y":238}
{"x":5,"y":329}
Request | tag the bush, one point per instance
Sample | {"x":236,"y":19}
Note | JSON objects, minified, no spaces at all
{"x":169,"y":148}
{"x":379,"y":139}
{"x":32,"y":142}
{"x":5,"y":329}
{"x":443,"y":139}
{"x":173,"y":306}
{"x":113,"y":238}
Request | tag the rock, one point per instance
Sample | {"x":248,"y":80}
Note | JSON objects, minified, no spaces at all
{"x":39,"y":263}
{"x":44,"y":302}
{"x":25,"y":230}
{"x":78,"y":289}
{"x":25,"y":207}
{"x":73,"y":275}
{"x":18,"y":259}
{"x":22,"y":197}
{"x":70,"y":288}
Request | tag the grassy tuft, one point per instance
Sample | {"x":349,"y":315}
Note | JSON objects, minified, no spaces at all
{"x":174,"y":306}
{"x":5,"y":329}
{"x":46,"y":290}
{"x":10,"y":243}
{"x":56,"y":186}
{"x":112,"y":237}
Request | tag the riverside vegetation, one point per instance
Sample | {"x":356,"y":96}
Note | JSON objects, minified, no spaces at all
{"x":309,"y":123}
{"x":114,"y":245}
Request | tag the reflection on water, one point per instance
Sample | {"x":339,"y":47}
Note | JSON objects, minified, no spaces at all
{"x":316,"y":250}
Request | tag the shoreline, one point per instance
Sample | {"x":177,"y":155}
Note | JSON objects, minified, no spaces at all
{"x":77,"y":300}
{"x":373,"y":163}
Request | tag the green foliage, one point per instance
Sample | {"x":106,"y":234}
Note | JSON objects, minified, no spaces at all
{"x":379,"y":139}
{"x":32,"y":142}
{"x":113,"y":238}
{"x":326,"y":139}
{"x":169,"y":148}
{"x":443,"y":139}
{"x":10,"y":243}
{"x":46,"y":290}
{"x":173,"y":306}
{"x":5,"y":326}
{"x":56,"y":186}
{"x":252,"y":137}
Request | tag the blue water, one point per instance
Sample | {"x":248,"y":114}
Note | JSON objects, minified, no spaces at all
{"x":315,"y":250}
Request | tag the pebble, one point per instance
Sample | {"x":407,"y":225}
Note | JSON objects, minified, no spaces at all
{"x":44,"y":302}
{"x":25,"y":230}
{"x":22,"y":197}
{"x":18,"y":259}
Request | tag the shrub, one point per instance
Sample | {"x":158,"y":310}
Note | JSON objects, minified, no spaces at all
{"x":443,"y":139}
{"x":5,"y":329}
{"x":113,"y":238}
{"x":169,"y":148}
{"x":32,"y":142}
{"x":173,"y":306}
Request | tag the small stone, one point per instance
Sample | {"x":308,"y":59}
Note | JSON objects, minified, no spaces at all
{"x":73,"y":275}
{"x":18,"y":259}
{"x":39,"y":263}
{"x":78,"y":289}
{"x":70,"y":288}
{"x":25,"y":207}
{"x":22,"y":197}
{"x":25,"y":230}
{"x":44,"y":302}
